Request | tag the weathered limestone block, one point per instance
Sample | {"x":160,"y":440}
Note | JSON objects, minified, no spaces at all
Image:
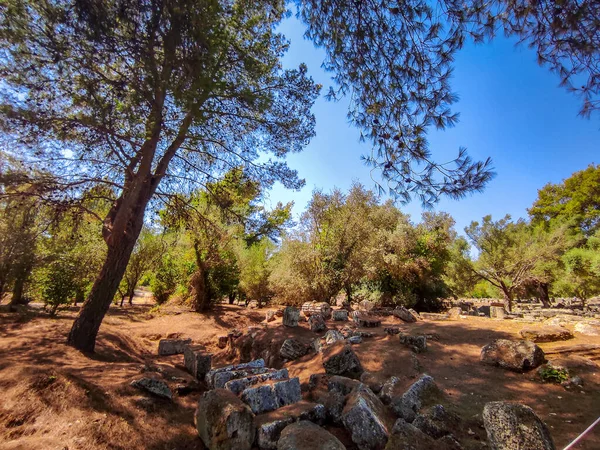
{"x":197,"y":361}
{"x":238,"y":385}
{"x":224,"y":422}
{"x":404,"y":314}
{"x":333,"y":336}
{"x":270,"y":425}
{"x":306,"y":435}
{"x":340,"y":315}
{"x":210,"y":376}
{"x":270,"y":315}
{"x":364,"y":416}
{"x":512,"y":425}
{"x":272,"y":395}
{"x":388,"y":390}
{"x":417,"y":344}
{"x":513,"y":355}
{"x":317,"y":323}
{"x":172,"y":346}
{"x":155,"y":387}
{"x":497,"y":312}
{"x":291,"y":316}
{"x":222,"y":378}
{"x":321,"y":308}
{"x":340,"y":359}
{"x":408,"y":404}
{"x":292,"y":349}
{"x":546,"y":334}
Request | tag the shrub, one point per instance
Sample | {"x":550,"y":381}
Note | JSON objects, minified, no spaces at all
{"x":550,"y":374}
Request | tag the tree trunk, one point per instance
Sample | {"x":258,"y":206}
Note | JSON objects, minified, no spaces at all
{"x":79,"y":296}
{"x":17,"y":293}
{"x":231,"y":298}
{"x":120,"y":246}
{"x":131,"y":295}
{"x":542,"y":289}
{"x":507,"y":300}
{"x":348,"y":290}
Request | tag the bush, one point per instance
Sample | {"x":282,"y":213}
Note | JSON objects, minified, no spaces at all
{"x":58,"y":284}
{"x":164,"y":283}
{"x":550,"y":374}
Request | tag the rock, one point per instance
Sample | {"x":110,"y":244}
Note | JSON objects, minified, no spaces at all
{"x":366,"y":305}
{"x":196,"y":361}
{"x":222,"y":341}
{"x":514,"y":426}
{"x":222,"y":378}
{"x":343,"y":385}
{"x":316,"y":323}
{"x":253,"y":304}
{"x":407,"y":437}
{"x":404,"y":314}
{"x":270,"y":425}
{"x":172,"y":346}
{"x":321,"y":308}
{"x":318,"y":344}
{"x":333,"y":336}
{"x":437,"y":422}
{"x":210,"y":376}
{"x":367,"y":321}
{"x":334,"y":405}
{"x":270,"y":316}
{"x":340,"y":359}
{"x":291,"y":316}
{"x":512,"y":355}
{"x":587,"y":329}
{"x":272,"y":395}
{"x":155,"y":387}
{"x":388,"y":390}
{"x":546,"y":334}
{"x":408,"y":405}
{"x":292,"y":349}
{"x":417,"y":344}
{"x":497,"y":312}
{"x":434,"y":316}
{"x":414,"y":313}
{"x":354,"y":340}
{"x":454,"y":313}
{"x":364,"y":416}
{"x":340,"y":315}
{"x":224,"y":422}
{"x":238,"y":385}
{"x":362,"y":334}
{"x":306,"y":435}
{"x":372,"y":381}
{"x":392,"y":331}
{"x":576,"y":381}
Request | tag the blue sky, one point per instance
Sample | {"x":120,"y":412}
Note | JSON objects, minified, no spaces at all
{"x":511,"y":110}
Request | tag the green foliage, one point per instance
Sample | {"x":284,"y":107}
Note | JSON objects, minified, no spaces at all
{"x":576,"y":200}
{"x":165,"y":279}
{"x":550,"y":374}
{"x":58,"y":283}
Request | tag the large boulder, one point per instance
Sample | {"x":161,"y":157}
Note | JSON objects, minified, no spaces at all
{"x":272,"y":395}
{"x":291,"y":316}
{"x":344,"y":385}
{"x":420,"y":392}
{"x":249,"y":368}
{"x":155,"y":387}
{"x":497,"y":312}
{"x":404,"y":314}
{"x":238,"y":385}
{"x":270,"y":425}
{"x":437,"y":422}
{"x":513,"y":355}
{"x":388,"y":390}
{"x":172,"y":346}
{"x":365,"y":417}
{"x":224,"y":422}
{"x":340,"y":359}
{"x":514,"y":426}
{"x":454,"y":313}
{"x":305,"y":435}
{"x":292,"y":349}
{"x":407,"y":437}
{"x":317,"y":323}
{"x":546,"y":334}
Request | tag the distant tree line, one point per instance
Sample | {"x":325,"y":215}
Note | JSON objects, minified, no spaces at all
{"x":221,"y":245}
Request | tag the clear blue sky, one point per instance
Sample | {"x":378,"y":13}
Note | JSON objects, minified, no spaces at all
{"x":511,"y":109}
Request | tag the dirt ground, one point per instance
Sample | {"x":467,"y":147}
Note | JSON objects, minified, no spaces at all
{"x":53,"y":397}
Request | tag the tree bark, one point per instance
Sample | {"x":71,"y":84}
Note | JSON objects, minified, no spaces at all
{"x":507,"y":300}
{"x":17,"y":293}
{"x":121,"y":242}
{"x":542,"y":289}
